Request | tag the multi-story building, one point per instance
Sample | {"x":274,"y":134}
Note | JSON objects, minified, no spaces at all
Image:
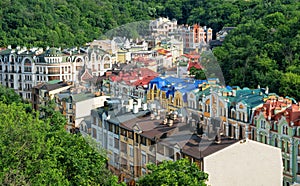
{"x":162,"y":26}
{"x":277,"y":123}
{"x":44,"y":92}
{"x":131,"y":82}
{"x":194,"y":36}
{"x":171,"y":92}
{"x":137,"y":137}
{"x":107,"y":45}
{"x":23,"y":68}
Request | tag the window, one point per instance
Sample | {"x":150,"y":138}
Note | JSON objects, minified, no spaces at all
{"x":263,"y":124}
{"x":130,"y":134}
{"x":276,"y":142}
{"x":144,"y":162}
{"x":116,"y":131}
{"x":298,"y":149}
{"x":144,"y":171}
{"x":116,"y":159}
{"x":298,"y":171}
{"x":160,"y":149}
{"x":169,"y":152}
{"x":99,"y":123}
{"x":288,"y":165}
{"x":131,"y":168}
{"x":143,"y":141}
{"x":285,"y":130}
{"x":116,"y":143}
{"x":94,"y":133}
{"x":110,"y":142}
{"x":151,"y":158}
{"x":123,"y":132}
{"x":124,"y":147}
{"x":283,"y":146}
{"x":110,"y":127}
{"x":124,"y":163}
{"x":94,"y":121}
{"x":131,"y":150}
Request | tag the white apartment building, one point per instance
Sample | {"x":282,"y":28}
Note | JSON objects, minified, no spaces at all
{"x":162,"y":26}
{"x":22,"y":68}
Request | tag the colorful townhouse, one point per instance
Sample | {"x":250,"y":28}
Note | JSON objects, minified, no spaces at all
{"x":171,"y":92}
{"x":131,"y":82}
{"x":277,"y":123}
{"x":137,"y":137}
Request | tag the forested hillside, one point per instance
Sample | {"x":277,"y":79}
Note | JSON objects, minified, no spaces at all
{"x":264,"y":49}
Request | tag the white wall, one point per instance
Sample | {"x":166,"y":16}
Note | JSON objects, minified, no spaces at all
{"x":83,"y":108}
{"x":248,"y":164}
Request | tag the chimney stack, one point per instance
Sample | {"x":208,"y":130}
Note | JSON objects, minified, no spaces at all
{"x":135,"y":108}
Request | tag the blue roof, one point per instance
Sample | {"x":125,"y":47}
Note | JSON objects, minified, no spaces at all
{"x":159,"y":82}
{"x":171,"y":84}
{"x":228,"y":88}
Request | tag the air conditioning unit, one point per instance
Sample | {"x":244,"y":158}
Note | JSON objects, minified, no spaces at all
{"x":125,"y":138}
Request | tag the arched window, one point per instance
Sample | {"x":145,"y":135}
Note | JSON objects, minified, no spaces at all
{"x":285,"y":130}
{"x":94,"y":133}
{"x":275,"y":142}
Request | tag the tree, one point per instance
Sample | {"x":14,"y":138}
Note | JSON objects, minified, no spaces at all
{"x":33,"y":152}
{"x":180,"y":172}
{"x":198,"y":73}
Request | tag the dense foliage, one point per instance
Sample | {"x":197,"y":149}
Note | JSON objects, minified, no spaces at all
{"x":180,"y":172}
{"x":263,"y":49}
{"x":36,"y":152}
{"x":64,"y":22}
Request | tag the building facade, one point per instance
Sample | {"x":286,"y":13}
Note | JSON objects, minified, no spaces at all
{"x":22,"y":68}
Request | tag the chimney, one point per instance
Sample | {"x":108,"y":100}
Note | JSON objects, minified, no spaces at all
{"x":135,"y":108}
{"x":233,"y":93}
{"x":218,"y":136}
{"x":267,"y":90}
{"x":144,"y":106}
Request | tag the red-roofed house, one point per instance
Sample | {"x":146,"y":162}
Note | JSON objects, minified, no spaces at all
{"x":277,"y":123}
{"x":132,"y":82}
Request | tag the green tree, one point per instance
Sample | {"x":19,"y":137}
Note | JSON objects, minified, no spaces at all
{"x":33,"y":152}
{"x":180,"y":172}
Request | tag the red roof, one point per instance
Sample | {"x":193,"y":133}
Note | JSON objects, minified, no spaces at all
{"x":144,"y":81}
{"x":86,"y":75}
{"x":162,"y":51}
{"x":283,"y":108}
{"x":194,"y":64}
{"x":134,"y":76}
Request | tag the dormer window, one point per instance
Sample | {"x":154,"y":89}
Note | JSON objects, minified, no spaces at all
{"x":263,"y":124}
{"x":285,"y":130}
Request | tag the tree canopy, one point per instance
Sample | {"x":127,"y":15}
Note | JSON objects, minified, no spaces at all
{"x":265,"y":51}
{"x":180,"y":172}
{"x":38,"y":152}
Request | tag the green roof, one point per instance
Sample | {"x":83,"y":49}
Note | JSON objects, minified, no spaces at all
{"x":5,"y":52}
{"x":53,"y":82}
{"x":82,"y":97}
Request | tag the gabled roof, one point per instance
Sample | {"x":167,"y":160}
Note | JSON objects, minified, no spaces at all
{"x":51,"y":85}
{"x":86,"y":75}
